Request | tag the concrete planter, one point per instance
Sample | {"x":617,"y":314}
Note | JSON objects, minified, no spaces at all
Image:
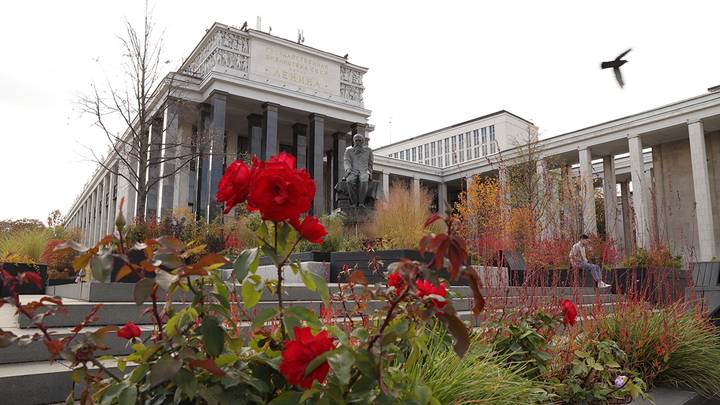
{"x":313,"y":256}
{"x":61,"y":281}
{"x":386,"y":257}
{"x":706,"y":274}
{"x":17,"y":268}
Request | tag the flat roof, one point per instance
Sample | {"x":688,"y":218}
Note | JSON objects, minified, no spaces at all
{"x":459,"y":124}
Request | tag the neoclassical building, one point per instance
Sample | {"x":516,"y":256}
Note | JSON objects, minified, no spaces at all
{"x":250,"y":93}
{"x":259,"y":94}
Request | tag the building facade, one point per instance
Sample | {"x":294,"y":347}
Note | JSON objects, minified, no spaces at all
{"x":243,"y":92}
{"x":254,"y":93}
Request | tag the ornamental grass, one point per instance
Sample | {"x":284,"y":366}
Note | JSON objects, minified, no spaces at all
{"x":24,"y":245}
{"x":482,"y":376}
{"x":400,"y":220}
{"x":673,"y":346}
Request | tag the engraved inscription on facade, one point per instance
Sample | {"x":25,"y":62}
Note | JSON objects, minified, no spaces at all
{"x":287,"y":65}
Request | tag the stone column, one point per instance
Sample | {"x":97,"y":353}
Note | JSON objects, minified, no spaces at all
{"x":171,"y":149}
{"x":315,"y":154}
{"x":112,"y":202}
{"x":181,"y":184}
{"x":610,"y":198}
{"x":416,"y":186}
{"x":442,"y":198}
{"x":339,"y":146}
{"x":386,"y":185}
{"x":626,"y":217}
{"x":100,"y":190}
{"x":640,"y":197}
{"x":91,"y":221}
{"x":701,"y":186}
{"x":203,"y":177}
{"x":540,"y":170}
{"x":217,"y":152}
{"x":588,"y":192}
{"x":152,"y":198}
{"x":104,"y":205}
{"x":270,"y":130}
{"x":300,"y":149}
{"x":255,"y":133}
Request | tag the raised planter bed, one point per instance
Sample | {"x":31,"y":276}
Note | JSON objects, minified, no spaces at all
{"x":301,"y":257}
{"x":17,"y":268}
{"x":386,"y":257}
{"x":61,"y":281}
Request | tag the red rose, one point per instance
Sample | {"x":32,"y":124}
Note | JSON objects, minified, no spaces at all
{"x":280,"y":191}
{"x":129,"y":331}
{"x":234,"y":185}
{"x":310,"y":229}
{"x":425,"y":288}
{"x":569,"y":312}
{"x":396,"y":280}
{"x":30,"y":277}
{"x":302,"y":350}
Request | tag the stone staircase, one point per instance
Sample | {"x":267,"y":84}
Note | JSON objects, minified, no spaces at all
{"x":26,"y":377}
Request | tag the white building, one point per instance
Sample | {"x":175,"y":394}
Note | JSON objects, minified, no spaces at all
{"x":472,"y":140}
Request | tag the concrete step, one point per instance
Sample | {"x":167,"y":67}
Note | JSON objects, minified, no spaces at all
{"x":37,"y":351}
{"x":40,"y":382}
{"x":123,"y":292}
{"x":118,"y":313}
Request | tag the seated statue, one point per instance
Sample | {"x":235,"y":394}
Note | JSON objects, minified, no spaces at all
{"x":356,"y":189}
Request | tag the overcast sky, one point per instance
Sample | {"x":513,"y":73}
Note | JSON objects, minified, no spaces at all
{"x":431,"y":64}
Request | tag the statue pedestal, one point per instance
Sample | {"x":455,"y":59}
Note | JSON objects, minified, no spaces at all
{"x":356,"y":215}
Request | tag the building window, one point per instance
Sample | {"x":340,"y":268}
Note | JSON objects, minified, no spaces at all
{"x":483,"y":136}
{"x":433,"y":162}
{"x":414,"y":155}
{"x":468,"y":148}
{"x":402,"y":155}
{"x":461,"y":147}
{"x":432,"y":150}
{"x":492,"y":139}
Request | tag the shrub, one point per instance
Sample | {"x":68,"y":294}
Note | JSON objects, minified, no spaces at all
{"x":655,"y":258}
{"x":58,"y":261}
{"x":400,"y":221}
{"x":480,"y":377}
{"x":672,"y":345}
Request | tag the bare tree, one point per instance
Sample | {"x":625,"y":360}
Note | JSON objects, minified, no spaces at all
{"x":139,"y":103}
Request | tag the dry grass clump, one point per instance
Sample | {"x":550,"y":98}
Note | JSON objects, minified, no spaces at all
{"x":399,"y":221}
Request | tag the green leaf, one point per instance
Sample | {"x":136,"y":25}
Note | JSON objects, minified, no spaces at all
{"x":139,"y":372}
{"x":308,"y":280}
{"x":165,"y":279}
{"x":306,"y":315}
{"x":246,"y":263}
{"x":581,"y":354}
{"x":142,"y":290}
{"x":287,"y":398}
{"x":213,"y":336}
{"x":290,"y":323}
{"x":250,"y":294}
{"x":341,"y":364}
{"x":264,"y":316}
{"x":164,"y":370}
{"x":317,"y":361}
{"x":322,"y":287}
{"x":187,"y":382}
{"x":101,"y":266}
{"x":128,"y":396}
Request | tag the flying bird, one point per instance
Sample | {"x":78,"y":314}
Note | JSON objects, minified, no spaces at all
{"x":615,"y":65}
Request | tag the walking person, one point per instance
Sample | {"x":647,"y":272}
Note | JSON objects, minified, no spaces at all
{"x":579,"y":260}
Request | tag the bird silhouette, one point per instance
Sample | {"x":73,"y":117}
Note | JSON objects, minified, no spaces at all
{"x":615,"y":65}
{"x":346,"y":56}
{"x":244,"y":26}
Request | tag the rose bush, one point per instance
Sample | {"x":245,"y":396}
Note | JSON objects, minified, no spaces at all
{"x":223,"y":349}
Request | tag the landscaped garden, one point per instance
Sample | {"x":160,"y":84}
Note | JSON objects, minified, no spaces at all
{"x":436,"y":330}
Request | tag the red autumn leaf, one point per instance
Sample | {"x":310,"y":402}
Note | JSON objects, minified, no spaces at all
{"x":475,"y":286}
{"x":434,"y":217}
{"x":209,"y":365}
{"x":31,"y":277}
{"x":54,"y":347}
{"x":124,"y":271}
{"x":357,"y":277}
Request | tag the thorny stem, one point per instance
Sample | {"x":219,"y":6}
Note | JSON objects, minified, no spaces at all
{"x":156,"y":313}
{"x":386,"y":322}
{"x":283,"y":332}
{"x":104,"y":369}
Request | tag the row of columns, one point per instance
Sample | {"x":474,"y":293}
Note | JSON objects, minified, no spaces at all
{"x":643,"y":188}
{"x":96,"y":216}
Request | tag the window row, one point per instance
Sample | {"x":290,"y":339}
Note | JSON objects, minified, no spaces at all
{"x":453,"y":149}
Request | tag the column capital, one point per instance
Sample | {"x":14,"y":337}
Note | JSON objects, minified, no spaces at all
{"x":218,"y":95}
{"x":270,"y":106}
{"x":632,"y":135}
{"x":691,"y":121}
{"x":299,"y":127}
{"x":255,"y":120}
{"x":357,"y":127}
{"x":316,"y":117}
